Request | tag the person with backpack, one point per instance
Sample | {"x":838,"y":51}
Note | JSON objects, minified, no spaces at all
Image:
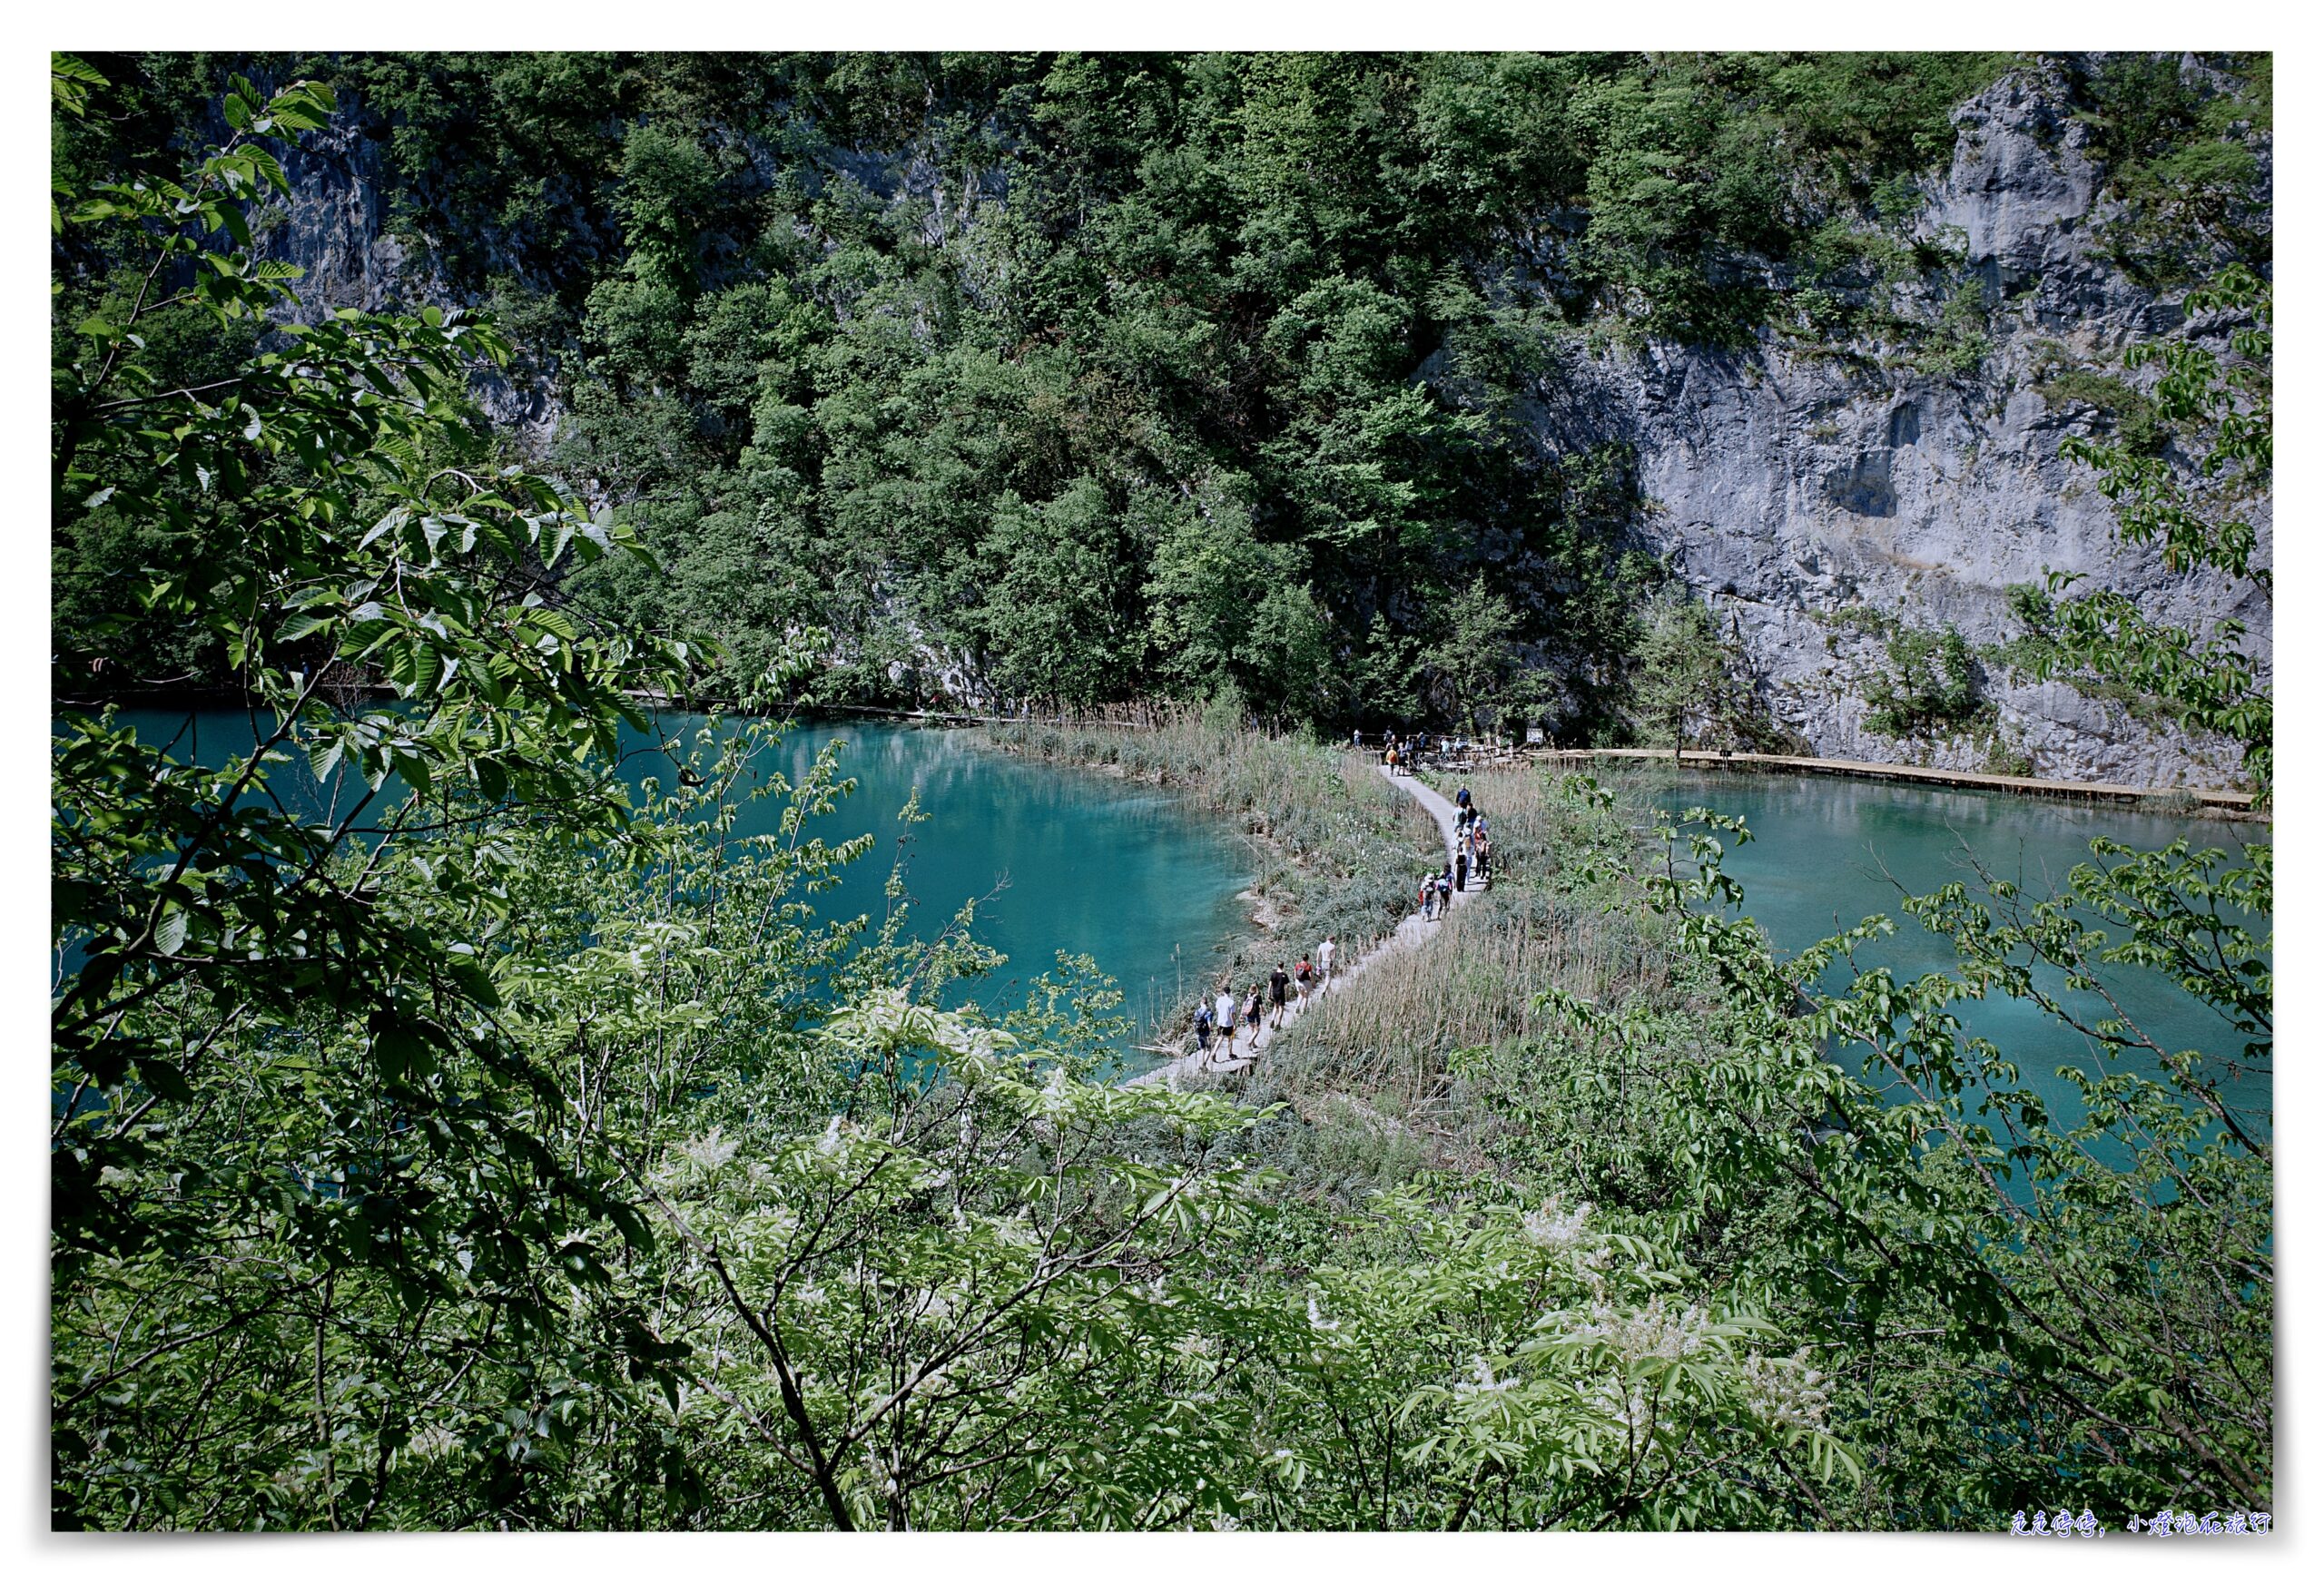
{"x":1301,"y":976}
{"x":1253,"y":1010}
{"x":1202,"y":1030}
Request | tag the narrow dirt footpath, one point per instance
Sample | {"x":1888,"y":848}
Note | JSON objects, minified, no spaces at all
{"x":1408,"y":935}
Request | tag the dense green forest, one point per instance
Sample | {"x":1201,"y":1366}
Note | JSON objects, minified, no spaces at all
{"x":500,"y":1145}
{"x":1077,"y":378}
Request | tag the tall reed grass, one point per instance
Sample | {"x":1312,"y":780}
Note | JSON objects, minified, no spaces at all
{"x":1520,"y":816}
{"x":1475,"y":983}
{"x":1433,"y":1040}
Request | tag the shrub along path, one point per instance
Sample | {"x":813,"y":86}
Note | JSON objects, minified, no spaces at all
{"x":1408,"y":935}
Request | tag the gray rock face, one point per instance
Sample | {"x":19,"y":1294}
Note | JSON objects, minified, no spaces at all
{"x":335,"y":227}
{"x":1786,"y":487}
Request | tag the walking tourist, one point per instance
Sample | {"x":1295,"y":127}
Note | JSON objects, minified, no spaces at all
{"x":1224,"y":1016}
{"x":1202,"y":1030}
{"x":1461,"y":868}
{"x":1324,"y":955}
{"x":1279,"y":991}
{"x":1254,"y":1009}
{"x":1302,"y":976}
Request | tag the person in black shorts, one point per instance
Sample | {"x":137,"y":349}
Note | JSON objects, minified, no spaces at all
{"x":1279,"y":990}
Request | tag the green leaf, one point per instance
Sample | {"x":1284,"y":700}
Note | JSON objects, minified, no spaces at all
{"x":402,"y":1051}
{"x":300,"y":626}
{"x":165,"y":1078}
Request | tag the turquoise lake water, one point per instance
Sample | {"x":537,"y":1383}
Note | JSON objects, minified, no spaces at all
{"x":1826,"y":852}
{"x":1057,"y":860}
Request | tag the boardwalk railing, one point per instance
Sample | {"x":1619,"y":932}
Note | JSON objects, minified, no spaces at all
{"x":2024,"y":785}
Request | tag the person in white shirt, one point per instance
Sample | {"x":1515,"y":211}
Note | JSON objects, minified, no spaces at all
{"x":1324,"y":955}
{"x":1223,"y":1011}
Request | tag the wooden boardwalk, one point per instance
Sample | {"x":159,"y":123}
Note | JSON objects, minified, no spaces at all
{"x":2022,"y":785}
{"x":1410,"y":935}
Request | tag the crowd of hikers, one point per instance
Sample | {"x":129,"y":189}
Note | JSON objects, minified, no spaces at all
{"x":1471,"y":860}
{"x":1220,"y":1019}
{"x":1401,"y":753}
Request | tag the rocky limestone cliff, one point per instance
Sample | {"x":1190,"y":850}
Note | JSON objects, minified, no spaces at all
{"x":1796,"y":488}
{"x":335,"y":226}
{"x":1790,"y":487}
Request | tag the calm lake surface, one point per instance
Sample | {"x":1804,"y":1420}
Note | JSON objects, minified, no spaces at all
{"x":1057,"y":860}
{"x":1823,"y":850}
{"x":1063,"y":859}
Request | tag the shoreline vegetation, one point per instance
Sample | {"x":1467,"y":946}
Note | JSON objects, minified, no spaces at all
{"x":2226,"y":803}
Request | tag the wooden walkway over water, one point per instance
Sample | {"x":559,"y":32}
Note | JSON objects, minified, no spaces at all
{"x":1415,"y":930}
{"x":2022,"y":785}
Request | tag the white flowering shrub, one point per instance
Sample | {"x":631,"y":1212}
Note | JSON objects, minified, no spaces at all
{"x":1526,"y":1367}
